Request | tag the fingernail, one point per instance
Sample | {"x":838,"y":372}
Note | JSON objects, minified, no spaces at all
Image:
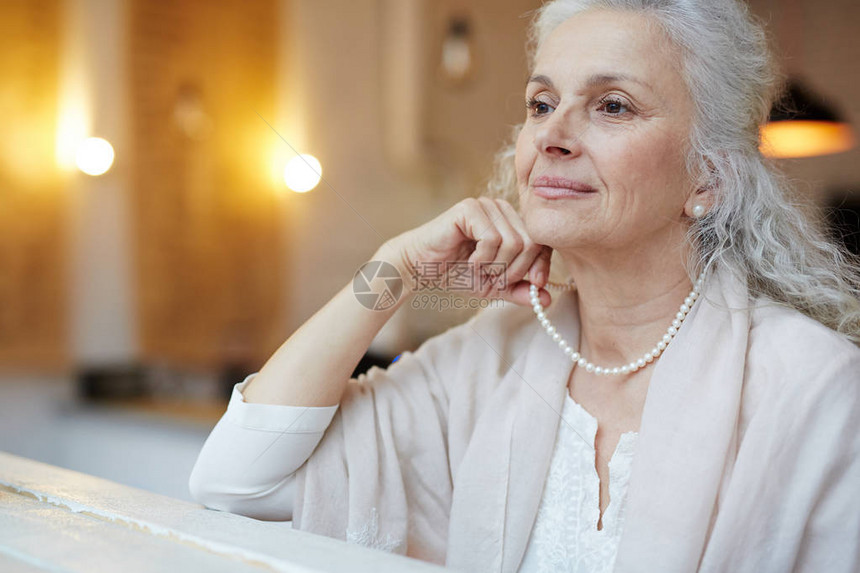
{"x":539,"y":278}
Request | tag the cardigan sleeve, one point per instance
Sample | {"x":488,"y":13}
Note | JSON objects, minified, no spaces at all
{"x":792,"y":503}
{"x":248,"y":462}
{"x":827,"y":441}
{"x":381,"y":476}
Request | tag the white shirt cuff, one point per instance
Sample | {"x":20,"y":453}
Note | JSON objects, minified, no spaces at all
{"x":275,"y":417}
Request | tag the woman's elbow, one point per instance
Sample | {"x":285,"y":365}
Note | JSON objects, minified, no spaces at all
{"x":204,"y":491}
{"x":274,"y":504}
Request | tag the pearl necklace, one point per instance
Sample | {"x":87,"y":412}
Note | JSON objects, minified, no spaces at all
{"x":569,"y":285}
{"x":649,"y":356}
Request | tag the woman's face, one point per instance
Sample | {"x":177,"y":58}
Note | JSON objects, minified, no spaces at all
{"x":609,"y":110}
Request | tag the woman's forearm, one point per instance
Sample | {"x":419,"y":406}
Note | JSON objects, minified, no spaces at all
{"x":314,"y":365}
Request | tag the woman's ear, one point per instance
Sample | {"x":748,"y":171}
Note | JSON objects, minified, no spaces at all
{"x":701,"y":201}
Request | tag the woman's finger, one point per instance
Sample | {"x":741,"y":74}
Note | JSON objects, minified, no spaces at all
{"x":480,"y":228}
{"x":509,"y":248}
{"x":529,"y":250}
{"x":539,"y":271}
{"x":518,"y":293}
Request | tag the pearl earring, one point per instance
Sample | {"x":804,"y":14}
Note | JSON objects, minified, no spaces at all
{"x":698,"y":211}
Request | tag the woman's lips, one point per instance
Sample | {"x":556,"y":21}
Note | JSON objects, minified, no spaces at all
{"x":550,"y":187}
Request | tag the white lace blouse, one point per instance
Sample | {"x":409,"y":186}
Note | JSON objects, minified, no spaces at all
{"x":565,"y":535}
{"x":247,"y":464}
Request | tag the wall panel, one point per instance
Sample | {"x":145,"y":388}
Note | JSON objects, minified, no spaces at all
{"x":32,"y":204}
{"x":207,"y":226}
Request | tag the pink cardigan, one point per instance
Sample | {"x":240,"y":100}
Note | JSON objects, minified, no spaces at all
{"x":748,"y":457}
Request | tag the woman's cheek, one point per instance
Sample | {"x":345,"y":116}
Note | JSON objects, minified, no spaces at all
{"x":629,"y":159}
{"x":522,"y":165}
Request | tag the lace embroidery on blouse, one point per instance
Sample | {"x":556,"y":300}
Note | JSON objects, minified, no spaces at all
{"x":369,"y":536}
{"x":565,"y":535}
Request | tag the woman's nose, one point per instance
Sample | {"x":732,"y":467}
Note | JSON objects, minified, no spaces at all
{"x":557,"y":136}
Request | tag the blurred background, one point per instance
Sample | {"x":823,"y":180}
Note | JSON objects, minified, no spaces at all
{"x":160,"y":235}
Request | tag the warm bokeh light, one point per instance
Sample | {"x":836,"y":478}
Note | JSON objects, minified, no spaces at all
{"x":302,"y":173}
{"x":95,"y":156}
{"x":73,"y":124}
{"x":784,"y":139}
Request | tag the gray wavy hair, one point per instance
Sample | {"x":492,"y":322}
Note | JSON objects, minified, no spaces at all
{"x":754,"y":230}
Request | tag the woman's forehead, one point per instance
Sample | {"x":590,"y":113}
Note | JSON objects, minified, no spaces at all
{"x":605,"y":44}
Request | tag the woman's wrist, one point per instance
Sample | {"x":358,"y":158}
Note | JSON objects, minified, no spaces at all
{"x":395,"y":256}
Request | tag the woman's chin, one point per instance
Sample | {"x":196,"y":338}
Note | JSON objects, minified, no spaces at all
{"x":554,"y":231}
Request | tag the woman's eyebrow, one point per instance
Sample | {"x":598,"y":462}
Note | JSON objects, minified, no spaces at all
{"x":598,"y":79}
{"x":540,"y":79}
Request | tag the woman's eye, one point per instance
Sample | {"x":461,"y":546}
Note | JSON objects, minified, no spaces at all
{"x":536,"y":107}
{"x":614,"y":106}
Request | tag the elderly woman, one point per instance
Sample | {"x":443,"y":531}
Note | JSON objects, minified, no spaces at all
{"x":693,"y":403}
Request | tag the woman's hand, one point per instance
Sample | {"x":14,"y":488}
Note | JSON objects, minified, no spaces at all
{"x":467,"y":247}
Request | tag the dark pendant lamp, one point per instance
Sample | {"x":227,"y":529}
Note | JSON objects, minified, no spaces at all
{"x":802,"y":125}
